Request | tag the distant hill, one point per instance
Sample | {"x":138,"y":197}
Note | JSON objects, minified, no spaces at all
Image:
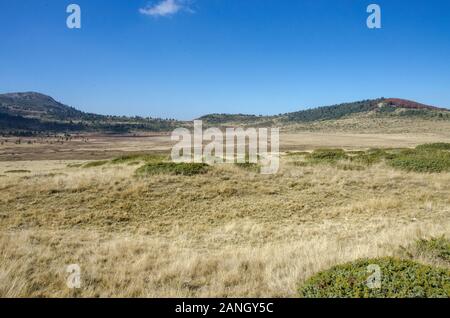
{"x":36,"y":105}
{"x":381,"y":107}
{"x":32,"y":113}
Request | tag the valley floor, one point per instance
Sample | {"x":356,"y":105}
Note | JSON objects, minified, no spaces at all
{"x":95,"y":147}
{"x":228,"y":233}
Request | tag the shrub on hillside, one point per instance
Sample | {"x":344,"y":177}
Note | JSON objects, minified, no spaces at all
{"x":422,"y":161}
{"x":399,"y":279}
{"x":327,"y":155}
{"x":372,"y":156}
{"x":138,"y":157}
{"x":438,"y":247}
{"x":435,"y":146}
{"x":94,"y":164}
{"x":249,"y":166}
{"x":425,"y":158}
{"x":186,"y":169}
{"x":18,"y":171}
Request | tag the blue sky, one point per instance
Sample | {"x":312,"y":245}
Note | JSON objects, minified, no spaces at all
{"x":186,"y":58}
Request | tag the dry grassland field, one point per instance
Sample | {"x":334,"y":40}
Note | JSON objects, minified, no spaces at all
{"x":224,"y":156}
{"x":226,"y":232}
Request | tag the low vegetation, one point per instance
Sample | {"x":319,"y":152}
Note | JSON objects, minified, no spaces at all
{"x":126,"y":159}
{"x":422,"y":161}
{"x":434,"y":250}
{"x":185,"y":169}
{"x":326,"y":155}
{"x":254,"y":167}
{"x":434,"y":146}
{"x":94,"y":164}
{"x":428,"y":158}
{"x":399,"y":279}
{"x":18,"y":171}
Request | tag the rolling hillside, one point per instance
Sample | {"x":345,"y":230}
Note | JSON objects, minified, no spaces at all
{"x":34,"y":113}
{"x":376,"y":107}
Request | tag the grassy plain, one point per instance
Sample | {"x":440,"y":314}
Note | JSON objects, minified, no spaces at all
{"x":227,"y":232}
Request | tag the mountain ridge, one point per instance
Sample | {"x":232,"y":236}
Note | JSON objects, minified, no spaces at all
{"x":35,"y":113}
{"x":337,"y":111}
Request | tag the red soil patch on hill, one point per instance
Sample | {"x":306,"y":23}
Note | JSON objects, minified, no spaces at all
{"x":403,"y":103}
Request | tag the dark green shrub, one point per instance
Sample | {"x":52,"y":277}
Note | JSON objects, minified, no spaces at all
{"x":422,"y":161}
{"x":18,"y":171}
{"x":94,"y":164}
{"x":186,"y":169}
{"x":372,"y":156}
{"x":399,"y":279}
{"x":327,"y":155}
{"x":249,"y":166}
{"x":436,"y":247}
{"x":425,"y":158}
{"x":435,"y":146}
{"x":138,"y":157}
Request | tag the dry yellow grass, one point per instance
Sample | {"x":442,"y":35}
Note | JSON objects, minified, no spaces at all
{"x":230,"y":232}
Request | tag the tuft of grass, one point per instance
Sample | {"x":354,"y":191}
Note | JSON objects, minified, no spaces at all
{"x":94,"y":164}
{"x":18,"y":171}
{"x":327,"y":155}
{"x":133,"y":163}
{"x":297,"y":153}
{"x":254,"y":167}
{"x":350,"y":167}
{"x":372,"y":156}
{"x":399,"y":279}
{"x":127,"y":159}
{"x":438,"y":247}
{"x":185,"y":169}
{"x":300,"y":163}
{"x":74,"y":165}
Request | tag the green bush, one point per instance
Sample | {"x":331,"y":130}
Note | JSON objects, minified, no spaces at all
{"x":327,"y":155}
{"x":186,"y":169}
{"x":94,"y":164}
{"x":372,"y":156}
{"x":435,"y":146}
{"x":436,"y":247}
{"x":399,"y":279}
{"x":425,"y":158}
{"x":18,"y":171}
{"x":138,"y":157}
{"x":422,"y":161}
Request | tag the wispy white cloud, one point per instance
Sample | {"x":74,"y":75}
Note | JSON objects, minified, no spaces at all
{"x":165,"y":8}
